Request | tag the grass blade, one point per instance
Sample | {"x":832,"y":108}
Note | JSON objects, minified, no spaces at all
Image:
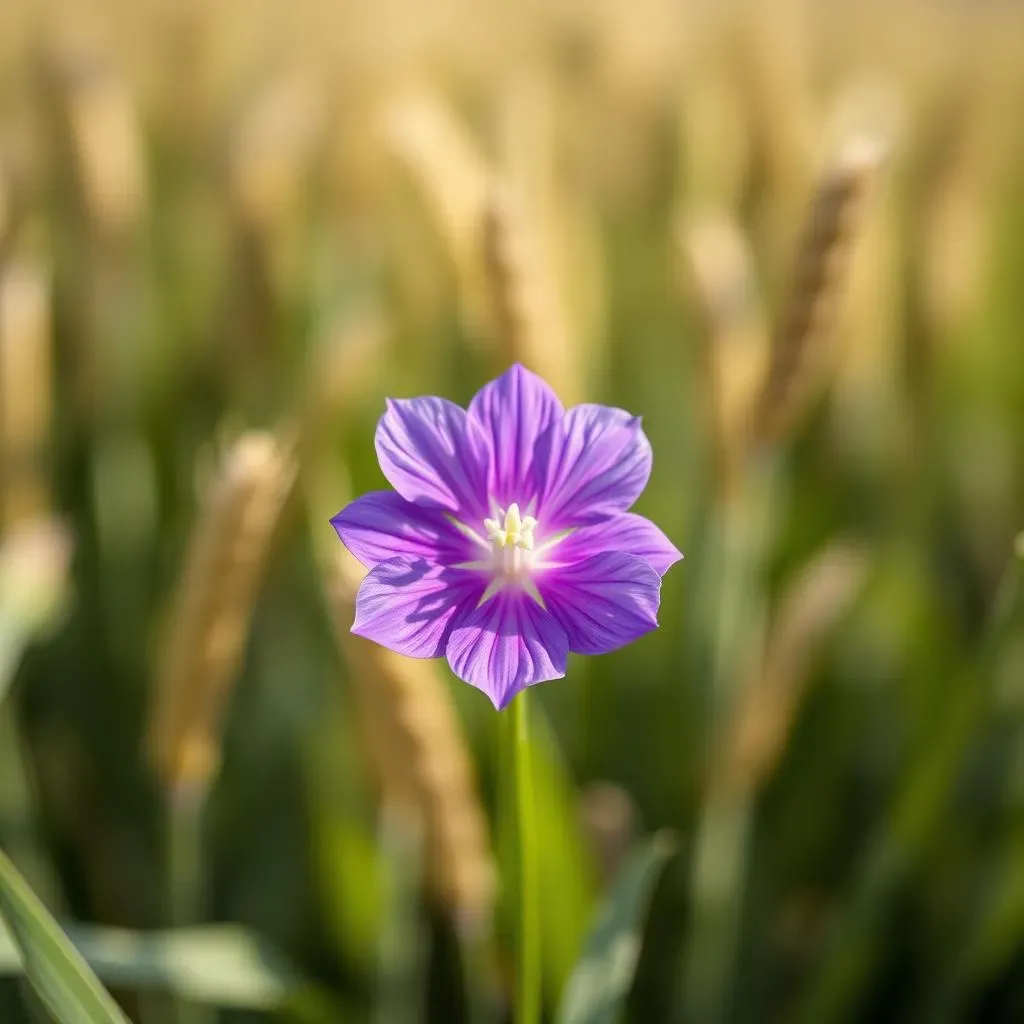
{"x":55,"y":969}
{"x":602,"y":979}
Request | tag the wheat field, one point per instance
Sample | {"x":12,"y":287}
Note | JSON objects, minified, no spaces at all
{"x":789,"y":235}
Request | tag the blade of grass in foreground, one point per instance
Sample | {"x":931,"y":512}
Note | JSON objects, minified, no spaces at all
{"x":55,"y":969}
{"x":602,"y":979}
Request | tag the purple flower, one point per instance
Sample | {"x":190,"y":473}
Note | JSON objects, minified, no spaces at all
{"x":507,"y":542}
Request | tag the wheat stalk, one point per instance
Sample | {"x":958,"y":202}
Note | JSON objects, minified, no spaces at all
{"x":6,"y":209}
{"x":106,"y":142}
{"x":210,"y":621}
{"x":26,"y":391}
{"x":412,"y":735}
{"x":526,"y":321}
{"x":799,"y":347}
{"x":419,"y":754}
{"x":425,"y":134}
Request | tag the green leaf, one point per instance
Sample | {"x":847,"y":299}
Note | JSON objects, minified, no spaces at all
{"x":218,"y":964}
{"x":55,"y":969}
{"x":602,"y":979}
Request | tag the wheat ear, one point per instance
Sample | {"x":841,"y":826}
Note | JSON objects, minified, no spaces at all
{"x":799,"y":355}
{"x":212,"y":612}
{"x":525,"y":319}
{"x":106,"y":142}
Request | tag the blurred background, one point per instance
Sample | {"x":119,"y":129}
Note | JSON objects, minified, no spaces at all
{"x":790,"y":235}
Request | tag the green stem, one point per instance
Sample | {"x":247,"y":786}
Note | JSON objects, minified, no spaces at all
{"x":185,"y":883}
{"x":403,"y":942}
{"x":720,"y":866}
{"x":528,"y":996}
{"x":479,"y":974}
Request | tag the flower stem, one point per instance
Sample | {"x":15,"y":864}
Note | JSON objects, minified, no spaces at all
{"x":528,"y":995}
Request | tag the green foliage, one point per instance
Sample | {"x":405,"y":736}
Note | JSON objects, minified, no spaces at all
{"x":58,"y":974}
{"x":597,"y":990}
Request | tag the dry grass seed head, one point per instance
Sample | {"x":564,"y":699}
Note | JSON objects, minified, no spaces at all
{"x":799,"y":360}
{"x":106,"y":142}
{"x":526,"y":320}
{"x":209,"y":625}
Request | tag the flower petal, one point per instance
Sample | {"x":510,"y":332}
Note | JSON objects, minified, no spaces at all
{"x":431,"y":453}
{"x":381,"y":525}
{"x":514,"y":411}
{"x":604,"y":602}
{"x":597,"y":461}
{"x":626,"y":532}
{"x":507,"y":644}
{"x":409,"y":605}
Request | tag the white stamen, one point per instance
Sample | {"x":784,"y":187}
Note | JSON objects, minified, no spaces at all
{"x":468,"y":531}
{"x":514,"y":554}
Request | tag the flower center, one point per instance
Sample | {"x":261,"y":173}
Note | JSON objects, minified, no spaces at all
{"x":512,"y":556}
{"x":513,"y":530}
{"x":511,"y":539}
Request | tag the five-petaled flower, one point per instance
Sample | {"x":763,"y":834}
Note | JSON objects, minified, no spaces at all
{"x":508,"y":543}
